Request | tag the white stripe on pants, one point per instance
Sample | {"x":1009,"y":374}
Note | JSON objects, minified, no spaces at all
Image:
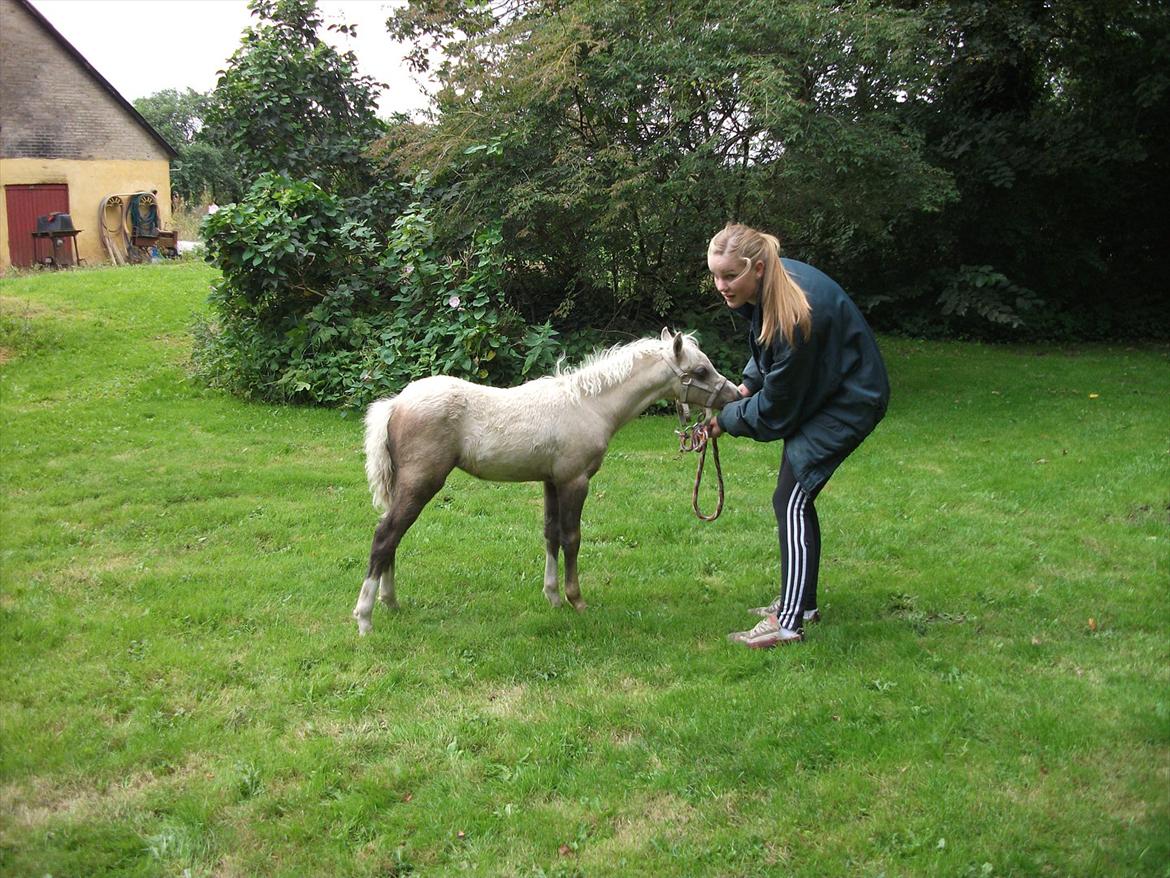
{"x":796,"y":574}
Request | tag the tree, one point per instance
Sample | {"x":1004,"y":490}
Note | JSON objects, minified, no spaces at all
{"x":963,"y":166}
{"x":1054,"y":121}
{"x":291,"y":104}
{"x":332,"y":290}
{"x":201,"y":170}
{"x":616,"y":137}
{"x":176,"y":115}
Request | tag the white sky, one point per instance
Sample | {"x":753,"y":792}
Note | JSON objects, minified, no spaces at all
{"x":144,"y":46}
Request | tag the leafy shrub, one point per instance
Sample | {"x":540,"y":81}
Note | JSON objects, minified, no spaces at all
{"x":333,"y":290}
{"x":313,"y":307}
{"x":982,"y":291}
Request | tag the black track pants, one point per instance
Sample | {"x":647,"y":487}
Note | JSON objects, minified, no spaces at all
{"x":800,"y":548}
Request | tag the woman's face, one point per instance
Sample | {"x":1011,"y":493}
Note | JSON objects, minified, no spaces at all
{"x":736,"y":282}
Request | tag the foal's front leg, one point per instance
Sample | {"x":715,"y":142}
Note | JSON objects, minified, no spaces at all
{"x":552,"y":544}
{"x":571,"y":499}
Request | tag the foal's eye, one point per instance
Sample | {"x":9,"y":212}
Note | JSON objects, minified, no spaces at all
{"x":701,"y":372}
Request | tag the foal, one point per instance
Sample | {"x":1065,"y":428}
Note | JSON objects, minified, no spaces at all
{"x":553,"y":430}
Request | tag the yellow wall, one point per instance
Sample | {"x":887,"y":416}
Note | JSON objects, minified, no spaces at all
{"x":89,"y":181}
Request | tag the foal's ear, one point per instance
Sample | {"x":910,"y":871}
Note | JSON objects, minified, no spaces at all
{"x":676,"y":337}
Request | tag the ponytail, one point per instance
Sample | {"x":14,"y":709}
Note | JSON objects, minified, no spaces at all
{"x":783,"y":305}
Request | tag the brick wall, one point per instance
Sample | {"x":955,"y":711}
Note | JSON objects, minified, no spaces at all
{"x":50,"y":107}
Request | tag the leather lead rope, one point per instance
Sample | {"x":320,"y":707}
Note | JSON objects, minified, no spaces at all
{"x":699,"y":476}
{"x":696,"y":438}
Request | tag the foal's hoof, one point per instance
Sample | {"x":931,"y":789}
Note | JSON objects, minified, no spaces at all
{"x":391,"y":604}
{"x":365,"y":626}
{"x":579,"y":605}
{"x":554,"y":599}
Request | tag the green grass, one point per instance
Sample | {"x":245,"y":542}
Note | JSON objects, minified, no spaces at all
{"x":184,"y":691}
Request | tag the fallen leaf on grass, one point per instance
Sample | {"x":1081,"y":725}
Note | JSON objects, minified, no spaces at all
{"x":565,"y":851}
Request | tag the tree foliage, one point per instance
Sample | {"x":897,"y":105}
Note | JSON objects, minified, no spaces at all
{"x":962,"y":165}
{"x":176,"y":115}
{"x":291,"y":104}
{"x":1054,"y":121}
{"x":201,"y":169}
{"x":316,"y":306}
{"x":616,"y":137}
{"x":332,"y":288}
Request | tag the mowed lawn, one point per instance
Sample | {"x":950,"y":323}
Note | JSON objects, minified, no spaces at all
{"x":184,"y":691}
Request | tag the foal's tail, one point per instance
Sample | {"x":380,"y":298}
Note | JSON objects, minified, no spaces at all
{"x":379,"y":468}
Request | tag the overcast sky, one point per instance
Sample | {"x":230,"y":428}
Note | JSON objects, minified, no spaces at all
{"x":144,"y":46}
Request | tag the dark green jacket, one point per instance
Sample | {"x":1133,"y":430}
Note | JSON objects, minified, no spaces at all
{"x":822,"y":397}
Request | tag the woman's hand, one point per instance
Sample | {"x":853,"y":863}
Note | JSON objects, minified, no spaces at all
{"x":743,"y":391}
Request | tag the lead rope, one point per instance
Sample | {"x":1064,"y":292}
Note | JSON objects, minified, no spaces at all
{"x":696,"y":438}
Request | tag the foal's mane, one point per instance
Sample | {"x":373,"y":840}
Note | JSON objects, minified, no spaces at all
{"x":605,"y":368}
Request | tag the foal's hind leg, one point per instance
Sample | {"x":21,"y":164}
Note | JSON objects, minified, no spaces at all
{"x":386,"y":588}
{"x":552,"y":544}
{"x":409,"y":498}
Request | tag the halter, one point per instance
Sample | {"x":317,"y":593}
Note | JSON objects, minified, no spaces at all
{"x":688,"y":381}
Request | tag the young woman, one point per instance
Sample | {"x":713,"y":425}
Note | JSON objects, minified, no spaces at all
{"x":815,"y":379}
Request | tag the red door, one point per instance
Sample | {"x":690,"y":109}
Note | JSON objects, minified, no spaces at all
{"x":25,"y":203}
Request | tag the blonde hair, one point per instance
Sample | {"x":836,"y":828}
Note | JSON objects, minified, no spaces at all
{"x":784,"y":307}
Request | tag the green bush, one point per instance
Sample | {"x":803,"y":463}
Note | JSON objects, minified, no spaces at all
{"x":313,"y":307}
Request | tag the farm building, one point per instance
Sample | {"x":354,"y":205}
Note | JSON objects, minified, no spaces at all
{"x":70,"y":144}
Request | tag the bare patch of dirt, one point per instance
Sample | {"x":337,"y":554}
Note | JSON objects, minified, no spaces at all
{"x":33,"y":804}
{"x":505,"y":702}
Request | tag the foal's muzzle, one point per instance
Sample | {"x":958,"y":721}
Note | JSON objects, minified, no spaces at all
{"x":701,"y":392}
{"x":697,"y":391}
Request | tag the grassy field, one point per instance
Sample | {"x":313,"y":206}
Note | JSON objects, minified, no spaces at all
{"x":184,"y":691}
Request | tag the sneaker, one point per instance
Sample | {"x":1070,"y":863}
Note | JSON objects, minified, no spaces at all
{"x":811,"y":617}
{"x":765,"y":635}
